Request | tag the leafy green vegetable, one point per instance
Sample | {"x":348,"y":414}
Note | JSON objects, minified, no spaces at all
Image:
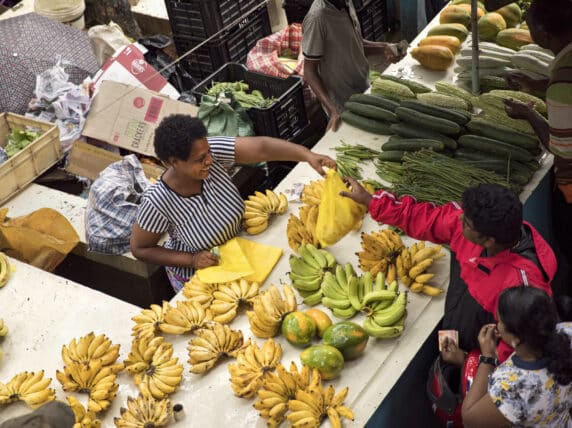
{"x":240,"y":92}
{"x":18,"y":139}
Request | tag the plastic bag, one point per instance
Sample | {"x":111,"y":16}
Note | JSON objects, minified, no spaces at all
{"x":42,"y":238}
{"x":105,"y":40}
{"x":112,"y":206}
{"x":337,"y":215}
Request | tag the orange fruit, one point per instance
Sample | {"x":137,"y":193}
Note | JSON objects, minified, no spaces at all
{"x":321,"y":319}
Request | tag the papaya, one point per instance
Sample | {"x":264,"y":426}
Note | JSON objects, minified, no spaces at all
{"x":350,"y":338}
{"x":448,"y":41}
{"x":456,"y":30}
{"x":467,"y":7}
{"x":455,"y":14}
{"x":298,"y":329}
{"x":513,"y":38}
{"x":480,"y":4}
{"x":321,"y":320}
{"x":511,"y":13}
{"x":433,"y":57}
{"x":327,"y":359}
{"x":490,"y":25}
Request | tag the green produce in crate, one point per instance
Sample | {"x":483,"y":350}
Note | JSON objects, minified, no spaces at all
{"x":19,"y":139}
{"x":218,"y":87}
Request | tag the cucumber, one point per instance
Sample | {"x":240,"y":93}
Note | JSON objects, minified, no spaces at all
{"x":428,"y":121}
{"x":391,"y":156}
{"x":373,"y":112}
{"x":411,"y":131}
{"x":458,"y":116}
{"x":416,"y":87}
{"x":476,"y":156}
{"x":485,"y":144}
{"x":412,"y":144}
{"x":502,"y":133}
{"x":375,"y":100}
{"x":366,"y":124}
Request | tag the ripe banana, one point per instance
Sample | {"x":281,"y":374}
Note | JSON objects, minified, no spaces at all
{"x":412,"y":266}
{"x":83,"y":417}
{"x":260,"y":207}
{"x":91,"y":347}
{"x":302,"y":230}
{"x":5,"y":269}
{"x":29,"y":387}
{"x":312,"y":193}
{"x":268,"y":310}
{"x":229,"y":297}
{"x":3,"y":328}
{"x":148,"y":321}
{"x":379,"y":250}
{"x":144,"y":412}
{"x":200,"y":291}
{"x":186,"y":317}
{"x":211,"y":344}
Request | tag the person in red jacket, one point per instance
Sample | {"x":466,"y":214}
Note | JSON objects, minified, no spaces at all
{"x":492,"y":249}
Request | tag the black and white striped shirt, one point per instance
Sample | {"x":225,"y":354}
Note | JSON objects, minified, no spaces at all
{"x":198,"y":222}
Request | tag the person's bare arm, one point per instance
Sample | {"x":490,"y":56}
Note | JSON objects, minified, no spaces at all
{"x":312,"y":76}
{"x":519,"y":110}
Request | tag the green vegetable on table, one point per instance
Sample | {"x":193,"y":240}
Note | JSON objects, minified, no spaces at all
{"x":19,"y":139}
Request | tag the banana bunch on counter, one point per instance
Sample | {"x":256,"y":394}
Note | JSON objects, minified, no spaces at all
{"x":386,"y":318}
{"x":30,"y":387}
{"x":260,"y":207}
{"x":83,"y":417}
{"x":212,"y":344}
{"x":148,"y":321}
{"x":195,"y":289}
{"x":268,"y":310}
{"x":91,"y":347}
{"x":229,"y":297}
{"x":312,"y":193}
{"x":5,"y":269}
{"x":186,"y":317}
{"x":253,"y":365}
{"x":163,"y":375}
{"x":302,"y":230}
{"x":145,"y":412}
{"x":277,"y":389}
{"x":308,"y":270}
{"x":412,"y":265}
{"x":3,"y":328}
{"x":379,"y":251}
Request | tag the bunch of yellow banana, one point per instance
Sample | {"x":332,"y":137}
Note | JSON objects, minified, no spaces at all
{"x":186,"y":317}
{"x":229,"y":297}
{"x":200,"y":291}
{"x":212,"y":344}
{"x":386,"y":318}
{"x":312,"y":193}
{"x":316,"y":402}
{"x":5,"y":269}
{"x":379,"y":251}
{"x":163,"y":375}
{"x":307,"y":272}
{"x":412,"y":265}
{"x":83,"y":417}
{"x":253,"y":364}
{"x":28,"y":387}
{"x":90,"y":377}
{"x":142,"y":351}
{"x":148,"y":321}
{"x":145,"y":412}
{"x":277,"y":389}
{"x":3,"y":328}
{"x":91,"y":347}
{"x":259,"y":208}
{"x":303,"y":230}
{"x":268,"y":310}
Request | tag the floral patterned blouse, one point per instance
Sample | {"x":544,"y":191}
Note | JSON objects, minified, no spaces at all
{"x":528,"y":395}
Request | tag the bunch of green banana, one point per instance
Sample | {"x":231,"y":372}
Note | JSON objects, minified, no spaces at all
{"x":145,"y":412}
{"x":148,"y":321}
{"x":307,"y":272}
{"x":163,"y":375}
{"x":253,"y":365}
{"x":186,"y":317}
{"x":364,"y":293}
{"x":337,"y":288}
{"x":313,"y":404}
{"x":212,"y":344}
{"x":83,"y":417}
{"x":91,"y":347}
{"x":28,"y":387}
{"x":387,"y":321}
{"x":229,"y":297}
{"x":277,"y":389}
{"x":5,"y":269}
{"x":200,"y":291}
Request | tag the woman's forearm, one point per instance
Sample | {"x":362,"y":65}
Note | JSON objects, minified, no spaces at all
{"x":164,"y":257}
{"x":478,"y":389}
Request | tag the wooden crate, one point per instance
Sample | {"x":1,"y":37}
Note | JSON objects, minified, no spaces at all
{"x":30,"y":162}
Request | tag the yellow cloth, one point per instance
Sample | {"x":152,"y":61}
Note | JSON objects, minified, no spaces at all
{"x":242,"y":258}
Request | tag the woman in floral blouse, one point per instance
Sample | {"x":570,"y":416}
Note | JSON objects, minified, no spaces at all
{"x":533,"y":388}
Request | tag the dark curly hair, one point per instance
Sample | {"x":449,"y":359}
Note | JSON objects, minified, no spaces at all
{"x":552,"y":16}
{"x":495,"y":211}
{"x":175,"y":135}
{"x":530,"y":314}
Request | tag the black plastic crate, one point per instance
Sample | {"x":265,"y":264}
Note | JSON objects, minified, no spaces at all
{"x":231,"y":47}
{"x":203,"y":18}
{"x":286,"y":118}
{"x":373,"y":20}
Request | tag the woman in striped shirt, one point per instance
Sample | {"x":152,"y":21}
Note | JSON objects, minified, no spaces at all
{"x":195,"y":201}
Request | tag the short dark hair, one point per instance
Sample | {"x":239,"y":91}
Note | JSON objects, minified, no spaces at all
{"x":175,"y":135}
{"x":554,"y":16}
{"x":495,"y":211}
{"x":530,"y":314}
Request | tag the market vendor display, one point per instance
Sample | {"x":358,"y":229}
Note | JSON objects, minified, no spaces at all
{"x":493,"y":249}
{"x":195,"y":201}
{"x":335,"y":63}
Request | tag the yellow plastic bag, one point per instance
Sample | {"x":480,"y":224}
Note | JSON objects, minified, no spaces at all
{"x":42,"y":238}
{"x":337,"y":215}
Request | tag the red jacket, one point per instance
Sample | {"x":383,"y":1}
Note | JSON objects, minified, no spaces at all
{"x":483,"y":277}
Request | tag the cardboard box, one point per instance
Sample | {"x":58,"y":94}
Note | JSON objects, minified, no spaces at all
{"x":126,"y":116}
{"x":128,"y":66}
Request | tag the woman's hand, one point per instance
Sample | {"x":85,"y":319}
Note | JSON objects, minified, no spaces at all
{"x":517,"y":109}
{"x":318,"y":162}
{"x":357,"y":192}
{"x":203,"y":259}
{"x":488,"y":337}
{"x":451,"y":353}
